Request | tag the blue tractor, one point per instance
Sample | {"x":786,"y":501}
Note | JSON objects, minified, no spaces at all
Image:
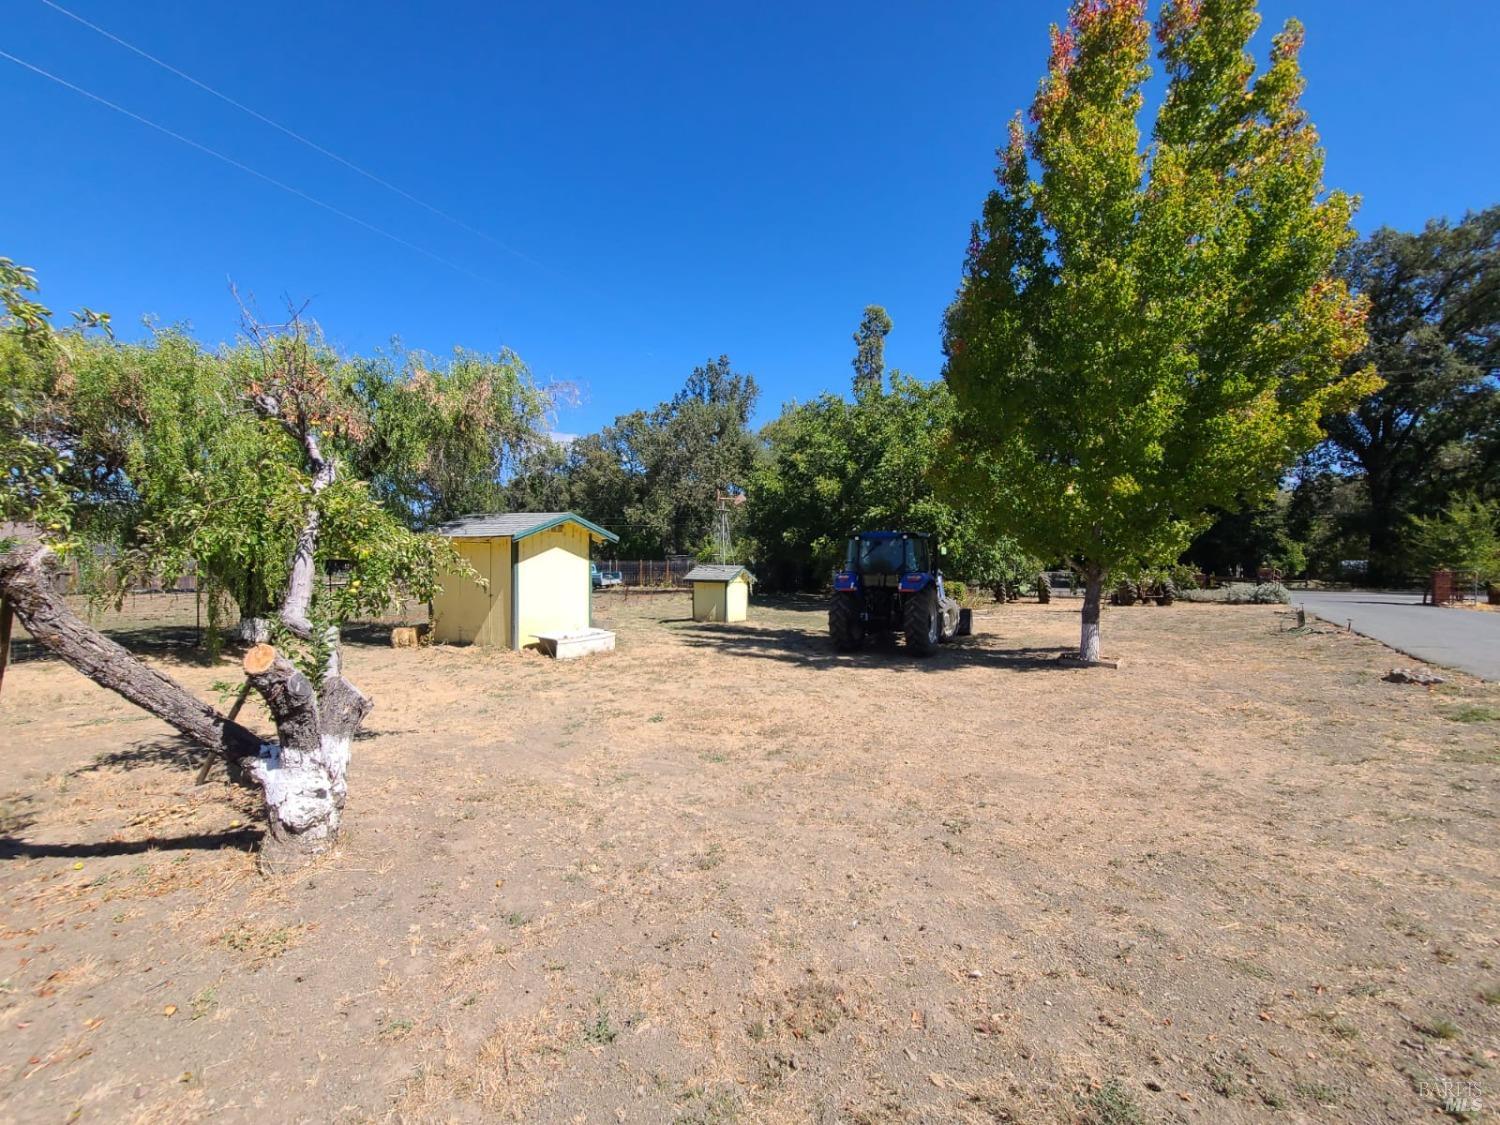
{"x":890,"y":583}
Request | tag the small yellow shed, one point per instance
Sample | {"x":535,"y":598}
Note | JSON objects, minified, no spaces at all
{"x":536,"y":566}
{"x":720,"y":592}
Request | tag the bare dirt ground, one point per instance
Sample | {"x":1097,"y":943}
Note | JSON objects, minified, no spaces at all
{"x":727,"y":875}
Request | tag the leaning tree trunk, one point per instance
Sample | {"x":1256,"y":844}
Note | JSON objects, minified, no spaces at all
{"x":24,"y":583}
{"x":302,"y":780}
{"x":1093,"y":591}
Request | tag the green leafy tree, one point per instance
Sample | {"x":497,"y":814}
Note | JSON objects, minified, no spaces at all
{"x":41,"y":470}
{"x":869,"y":351}
{"x":155,"y":455}
{"x":185,"y":478}
{"x":1433,"y":428}
{"x":1243,"y":541}
{"x":834,"y":467}
{"x":1464,"y":537}
{"x":169,"y":470}
{"x":442,"y":436}
{"x":653,"y":476}
{"x":31,"y":470}
{"x":540,"y":482}
{"x":1145,"y":334}
{"x":1326,"y":516}
{"x":606,"y":479}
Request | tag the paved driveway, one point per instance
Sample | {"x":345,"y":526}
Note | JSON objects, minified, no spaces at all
{"x":1455,"y":638}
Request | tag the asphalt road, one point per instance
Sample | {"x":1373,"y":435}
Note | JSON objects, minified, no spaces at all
{"x":1455,"y":638}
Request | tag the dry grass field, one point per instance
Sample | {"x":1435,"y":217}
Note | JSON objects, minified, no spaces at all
{"x":726,"y":875}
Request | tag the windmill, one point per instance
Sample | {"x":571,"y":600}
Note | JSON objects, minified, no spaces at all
{"x":725,"y":501}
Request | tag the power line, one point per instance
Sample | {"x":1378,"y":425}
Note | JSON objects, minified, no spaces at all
{"x":296,"y":136}
{"x":233,"y":163}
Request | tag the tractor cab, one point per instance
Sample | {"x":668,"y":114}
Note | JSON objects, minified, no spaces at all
{"x":882,"y":559}
{"x":888,"y":552}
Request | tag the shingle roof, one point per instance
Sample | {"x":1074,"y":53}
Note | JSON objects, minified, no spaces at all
{"x":716,"y":572}
{"x":517,"y":525}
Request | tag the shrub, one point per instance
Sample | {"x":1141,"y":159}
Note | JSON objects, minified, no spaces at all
{"x":1183,"y":577}
{"x":958,"y":591}
{"x":1241,"y":593}
{"x":1201,"y":595}
{"x":1266,"y":593}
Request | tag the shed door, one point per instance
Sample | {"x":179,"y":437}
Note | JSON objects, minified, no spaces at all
{"x":737,"y":599}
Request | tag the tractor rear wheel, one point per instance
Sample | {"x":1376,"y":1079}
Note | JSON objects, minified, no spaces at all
{"x":844,"y":625}
{"x":923,"y":622}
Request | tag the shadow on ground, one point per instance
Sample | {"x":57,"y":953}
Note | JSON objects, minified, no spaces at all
{"x":173,"y":752}
{"x":180,"y":644}
{"x":368,"y":634}
{"x":240,"y":839}
{"x":815,"y":650}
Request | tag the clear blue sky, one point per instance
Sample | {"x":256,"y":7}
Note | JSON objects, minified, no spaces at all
{"x":679,"y":180}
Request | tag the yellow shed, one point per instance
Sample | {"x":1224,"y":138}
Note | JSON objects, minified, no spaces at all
{"x":536,"y":565}
{"x":720,"y":592}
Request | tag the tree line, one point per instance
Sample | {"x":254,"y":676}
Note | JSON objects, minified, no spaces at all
{"x":1398,"y":479}
{"x":163,"y":471}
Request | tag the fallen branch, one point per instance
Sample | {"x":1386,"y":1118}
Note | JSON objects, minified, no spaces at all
{"x":234,"y":713}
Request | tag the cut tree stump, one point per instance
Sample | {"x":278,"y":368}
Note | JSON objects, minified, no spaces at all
{"x":305,"y":775}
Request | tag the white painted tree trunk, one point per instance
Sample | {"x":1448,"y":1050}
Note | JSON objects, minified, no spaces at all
{"x":304,"y":793}
{"x":302,"y":574}
{"x":252,"y":630}
{"x":1093,"y":590}
{"x":305,"y":776}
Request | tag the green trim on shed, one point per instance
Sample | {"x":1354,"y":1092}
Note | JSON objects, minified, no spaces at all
{"x":569,"y":517}
{"x":515,"y":594}
{"x":515,"y":525}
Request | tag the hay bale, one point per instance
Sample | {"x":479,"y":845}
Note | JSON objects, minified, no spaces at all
{"x":410,"y":636}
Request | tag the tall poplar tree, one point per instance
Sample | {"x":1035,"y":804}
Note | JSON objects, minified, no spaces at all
{"x":1145,"y":333}
{"x":869,"y":351}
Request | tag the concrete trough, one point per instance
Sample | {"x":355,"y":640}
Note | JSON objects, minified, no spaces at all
{"x":578,"y":642}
